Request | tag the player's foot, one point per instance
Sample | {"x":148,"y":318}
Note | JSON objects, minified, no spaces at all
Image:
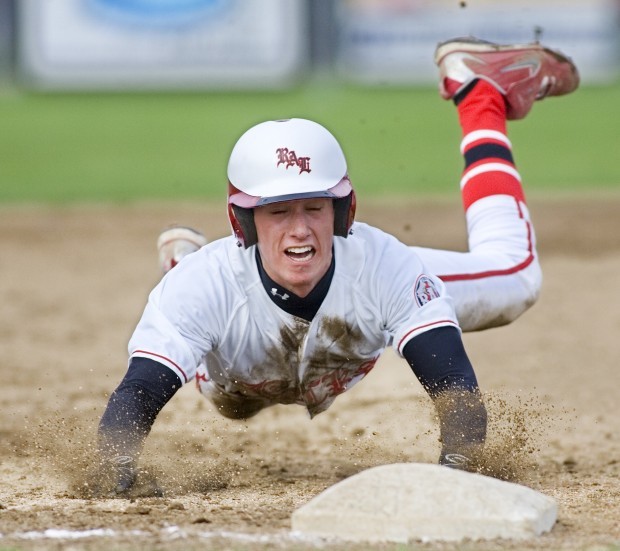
{"x":177,"y":242}
{"x":523,"y":73}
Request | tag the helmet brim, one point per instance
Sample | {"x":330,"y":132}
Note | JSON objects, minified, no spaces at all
{"x":241,"y":199}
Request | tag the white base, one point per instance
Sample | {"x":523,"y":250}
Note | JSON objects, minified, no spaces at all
{"x":403,"y":502}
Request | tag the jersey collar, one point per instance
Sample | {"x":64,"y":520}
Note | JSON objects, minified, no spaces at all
{"x":306,"y":307}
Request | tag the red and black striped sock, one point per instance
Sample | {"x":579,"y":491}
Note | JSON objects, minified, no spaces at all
{"x":489,"y":166}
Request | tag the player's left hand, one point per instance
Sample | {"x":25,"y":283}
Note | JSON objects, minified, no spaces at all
{"x":457,"y":461}
{"x":465,"y":457}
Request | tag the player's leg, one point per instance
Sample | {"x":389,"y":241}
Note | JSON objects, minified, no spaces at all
{"x":500,"y":277}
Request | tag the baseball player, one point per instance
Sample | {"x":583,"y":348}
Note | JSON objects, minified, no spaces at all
{"x":299,"y":303}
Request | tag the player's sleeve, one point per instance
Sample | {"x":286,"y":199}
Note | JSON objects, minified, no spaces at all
{"x":157,"y":337}
{"x":182,"y":320}
{"x":423,"y":304}
{"x":133,"y":406}
{"x":440,"y":362}
{"x":411,"y":300}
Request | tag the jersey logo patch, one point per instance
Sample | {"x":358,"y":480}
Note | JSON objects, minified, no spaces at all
{"x":425,"y":290}
{"x":290,"y":158}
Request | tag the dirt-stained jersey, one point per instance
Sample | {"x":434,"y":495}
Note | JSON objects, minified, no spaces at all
{"x":210,"y":319}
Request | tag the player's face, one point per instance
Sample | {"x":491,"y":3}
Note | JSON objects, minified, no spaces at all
{"x":295,"y":242}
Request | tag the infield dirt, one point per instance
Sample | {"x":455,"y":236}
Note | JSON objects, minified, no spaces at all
{"x":74,"y":283}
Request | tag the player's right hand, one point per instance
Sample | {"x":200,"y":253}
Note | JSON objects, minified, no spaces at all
{"x":118,"y":476}
{"x":113,"y":477}
{"x":123,"y":474}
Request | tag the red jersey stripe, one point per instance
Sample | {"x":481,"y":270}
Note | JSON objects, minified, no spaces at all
{"x":442,"y":322}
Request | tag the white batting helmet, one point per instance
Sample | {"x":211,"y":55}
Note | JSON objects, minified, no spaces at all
{"x":285,"y":160}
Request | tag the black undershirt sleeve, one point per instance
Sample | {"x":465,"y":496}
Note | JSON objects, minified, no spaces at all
{"x":439,"y":361}
{"x":133,"y":407}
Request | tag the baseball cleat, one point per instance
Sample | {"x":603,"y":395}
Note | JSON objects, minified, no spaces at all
{"x":523,"y":73}
{"x":177,"y":242}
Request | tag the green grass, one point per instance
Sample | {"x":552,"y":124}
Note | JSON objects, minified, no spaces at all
{"x":123,"y":147}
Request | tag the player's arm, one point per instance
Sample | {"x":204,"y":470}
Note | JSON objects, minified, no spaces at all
{"x":439,"y":361}
{"x":128,"y":418}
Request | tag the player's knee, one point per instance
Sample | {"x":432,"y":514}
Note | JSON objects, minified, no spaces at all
{"x":525,"y":294}
{"x":532,"y":283}
{"x":502,"y":304}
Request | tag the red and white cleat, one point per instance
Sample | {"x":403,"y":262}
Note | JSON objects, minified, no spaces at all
{"x":523,"y":73}
{"x":177,"y":242}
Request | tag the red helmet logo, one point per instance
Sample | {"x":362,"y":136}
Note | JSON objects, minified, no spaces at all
{"x":290,"y":158}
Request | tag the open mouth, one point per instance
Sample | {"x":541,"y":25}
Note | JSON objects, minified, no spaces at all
{"x":300,"y":254}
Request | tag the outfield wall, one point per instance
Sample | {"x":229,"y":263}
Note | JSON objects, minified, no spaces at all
{"x":105,"y":44}
{"x":211,"y":44}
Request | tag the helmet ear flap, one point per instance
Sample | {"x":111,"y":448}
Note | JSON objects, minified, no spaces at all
{"x":242,"y":222}
{"x":344,"y":214}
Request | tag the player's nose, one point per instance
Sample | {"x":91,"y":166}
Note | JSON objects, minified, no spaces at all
{"x":299,"y":226}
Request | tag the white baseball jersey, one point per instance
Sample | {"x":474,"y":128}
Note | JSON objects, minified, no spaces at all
{"x":211,"y":319}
